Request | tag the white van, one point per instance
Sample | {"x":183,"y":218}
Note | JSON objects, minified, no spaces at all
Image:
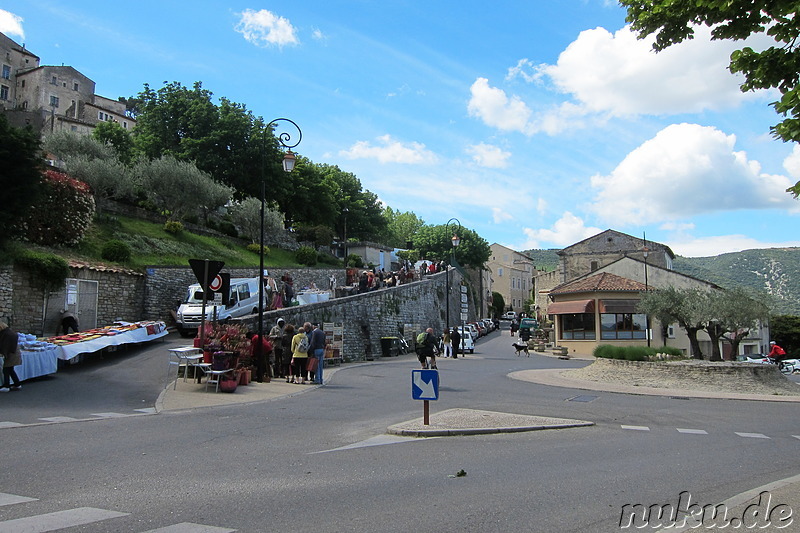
{"x":242,"y":300}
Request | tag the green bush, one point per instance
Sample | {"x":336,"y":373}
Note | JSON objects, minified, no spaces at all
{"x":328,"y":259}
{"x":254,"y":247}
{"x":635,"y":353}
{"x":306,"y":255}
{"x":173,"y":226}
{"x":116,"y":251}
{"x":47,"y":271}
{"x":354,"y":260}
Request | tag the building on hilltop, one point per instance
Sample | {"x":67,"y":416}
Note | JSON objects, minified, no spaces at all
{"x":52,"y":98}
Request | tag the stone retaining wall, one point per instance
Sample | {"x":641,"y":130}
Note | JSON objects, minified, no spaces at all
{"x":383,"y":313}
{"x":6,"y":293}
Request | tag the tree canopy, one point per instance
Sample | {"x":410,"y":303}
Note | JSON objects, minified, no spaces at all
{"x":434,"y":243}
{"x":777,"y":67}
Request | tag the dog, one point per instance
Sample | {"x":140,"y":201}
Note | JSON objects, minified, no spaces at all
{"x":520,"y":347}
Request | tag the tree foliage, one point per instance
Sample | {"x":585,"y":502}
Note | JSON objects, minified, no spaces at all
{"x":118,"y":138}
{"x":400,"y":227}
{"x":777,"y":67}
{"x":498,"y":304}
{"x":785,"y":330}
{"x":434,"y":243}
{"x":687,"y":307}
{"x":246,"y":216}
{"x":21,"y":177}
{"x":736,"y":312}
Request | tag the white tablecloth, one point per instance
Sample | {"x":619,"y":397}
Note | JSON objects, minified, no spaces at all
{"x":39,"y":363}
{"x":68,"y":351}
{"x":310,"y":297}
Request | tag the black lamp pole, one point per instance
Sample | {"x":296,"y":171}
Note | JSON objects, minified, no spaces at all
{"x":455,"y":241}
{"x":288,"y":165}
{"x":645,"y":253}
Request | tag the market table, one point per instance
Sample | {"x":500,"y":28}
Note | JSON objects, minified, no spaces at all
{"x":37,"y":363}
{"x":116,"y":335}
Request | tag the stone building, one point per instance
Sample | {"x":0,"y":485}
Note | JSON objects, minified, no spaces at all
{"x":52,"y":98}
{"x":512,"y":276}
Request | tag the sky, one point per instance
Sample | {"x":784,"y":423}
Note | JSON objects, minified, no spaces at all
{"x":536,"y":124}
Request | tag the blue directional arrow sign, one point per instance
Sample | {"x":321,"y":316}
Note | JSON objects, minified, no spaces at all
{"x":425,"y":384}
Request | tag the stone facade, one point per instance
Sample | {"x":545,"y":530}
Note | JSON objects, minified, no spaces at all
{"x":6,"y":294}
{"x":387,"y":312}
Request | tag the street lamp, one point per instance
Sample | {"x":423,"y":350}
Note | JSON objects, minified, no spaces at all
{"x":289,"y":160}
{"x":645,"y":253}
{"x":455,"y":241}
{"x":344,"y":212}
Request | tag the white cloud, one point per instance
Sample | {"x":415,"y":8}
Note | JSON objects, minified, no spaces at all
{"x":712,"y":246}
{"x":500,"y":215}
{"x":526,"y":70}
{"x":792,"y":163}
{"x":496,"y":109}
{"x":489,"y":156}
{"x":685,"y":170}
{"x":11,"y":24}
{"x":264,"y":28}
{"x":318,"y":35}
{"x":390,"y":151}
{"x":567,"y":230}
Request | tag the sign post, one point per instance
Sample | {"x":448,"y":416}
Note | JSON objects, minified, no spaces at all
{"x":425,"y":386}
{"x":205,"y":271}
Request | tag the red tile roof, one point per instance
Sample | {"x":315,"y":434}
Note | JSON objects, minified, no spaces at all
{"x":604,"y":282}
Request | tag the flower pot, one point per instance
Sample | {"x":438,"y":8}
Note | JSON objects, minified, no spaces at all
{"x":245,"y":376}
{"x":229,"y":384}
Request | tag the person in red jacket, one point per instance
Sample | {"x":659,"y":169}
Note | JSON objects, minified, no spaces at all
{"x":775,"y":351}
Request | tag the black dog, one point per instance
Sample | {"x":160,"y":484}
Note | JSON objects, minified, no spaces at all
{"x":520,"y":347}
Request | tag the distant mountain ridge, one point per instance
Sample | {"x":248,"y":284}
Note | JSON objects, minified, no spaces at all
{"x":773,"y":271}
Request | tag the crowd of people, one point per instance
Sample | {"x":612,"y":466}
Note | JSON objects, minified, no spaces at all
{"x":429,"y":346}
{"x":293,"y":352}
{"x":377,"y":278}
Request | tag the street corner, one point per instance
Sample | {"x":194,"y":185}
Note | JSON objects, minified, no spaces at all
{"x":453,"y":422}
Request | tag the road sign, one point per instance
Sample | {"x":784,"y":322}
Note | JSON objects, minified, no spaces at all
{"x":216,"y":283}
{"x":205,"y":271}
{"x":425,"y":384}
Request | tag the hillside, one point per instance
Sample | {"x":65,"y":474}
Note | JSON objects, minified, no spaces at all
{"x":773,"y":271}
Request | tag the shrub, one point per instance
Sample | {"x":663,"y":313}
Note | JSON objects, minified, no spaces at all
{"x":636,"y":353}
{"x":327,"y":259}
{"x":47,"y":271}
{"x":63,"y":216}
{"x":173,"y":226}
{"x":306,"y":255}
{"x":354,"y":260}
{"x":253,"y":247}
{"x":116,"y":251}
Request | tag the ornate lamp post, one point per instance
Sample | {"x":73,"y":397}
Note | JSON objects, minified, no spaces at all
{"x":288,"y":165}
{"x":455,"y":241}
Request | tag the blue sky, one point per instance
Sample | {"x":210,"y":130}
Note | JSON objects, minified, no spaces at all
{"x":537,"y":124}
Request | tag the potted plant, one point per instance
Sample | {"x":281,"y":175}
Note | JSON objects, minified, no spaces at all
{"x":231,"y":349}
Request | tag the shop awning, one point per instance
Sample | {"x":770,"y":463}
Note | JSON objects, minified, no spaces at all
{"x":571,"y":307}
{"x":618,"y":306}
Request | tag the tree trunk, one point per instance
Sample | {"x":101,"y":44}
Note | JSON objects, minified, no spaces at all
{"x":695,"y":344}
{"x":715,"y":332}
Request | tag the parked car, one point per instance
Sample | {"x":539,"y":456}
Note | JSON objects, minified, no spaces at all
{"x":509,"y":315}
{"x":475,"y":333}
{"x":489,"y":324}
{"x":466,"y":340}
{"x":481,"y":328}
{"x":759,"y":358}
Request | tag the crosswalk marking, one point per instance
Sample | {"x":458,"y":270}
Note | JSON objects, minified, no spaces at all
{"x":637,"y":428}
{"x":58,"y":520}
{"x":187,"y":527}
{"x":11,"y":499}
{"x":110,"y":415}
{"x":796,"y":436}
{"x":9,"y":424}
{"x":752,"y":435}
{"x":693,"y":431}
{"x":59,"y":419}
{"x":147,"y":410}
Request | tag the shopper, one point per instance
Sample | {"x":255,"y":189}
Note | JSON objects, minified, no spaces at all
{"x":9,"y":349}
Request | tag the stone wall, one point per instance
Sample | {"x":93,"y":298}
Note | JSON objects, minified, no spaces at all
{"x":383,"y":313}
{"x":6,"y":294}
{"x":166,"y":286}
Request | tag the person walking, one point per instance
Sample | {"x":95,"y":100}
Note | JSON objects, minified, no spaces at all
{"x":455,"y":339}
{"x":276,"y":338}
{"x":427,"y":348}
{"x":287,"y":340}
{"x":299,"y":355}
{"x":318,"y":353}
{"x":447,"y":348}
{"x":9,"y":349}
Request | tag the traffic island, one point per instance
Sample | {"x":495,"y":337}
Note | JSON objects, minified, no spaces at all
{"x":454,"y":422}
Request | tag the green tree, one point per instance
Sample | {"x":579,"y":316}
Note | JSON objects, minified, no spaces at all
{"x":246,"y":216}
{"x":687,"y":307}
{"x":737,"y":312}
{"x":180,"y":189}
{"x":776,"y":67}
{"x":109,"y":178}
{"x":785,"y":330}
{"x":400,"y":227}
{"x":66,"y":145}
{"x":114,"y":135}
{"x":21,"y":177}
{"x":498,"y":304}
{"x":434,"y":243}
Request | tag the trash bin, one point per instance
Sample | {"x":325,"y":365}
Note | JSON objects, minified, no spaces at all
{"x":390,"y":346}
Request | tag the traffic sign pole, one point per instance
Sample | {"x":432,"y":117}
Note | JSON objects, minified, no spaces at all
{"x":426,"y":413}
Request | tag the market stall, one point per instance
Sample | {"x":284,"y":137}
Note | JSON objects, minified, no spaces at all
{"x":119,"y":333}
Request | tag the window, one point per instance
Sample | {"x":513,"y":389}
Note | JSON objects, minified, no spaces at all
{"x":577,"y":326}
{"x":54,"y":101}
{"x":3,"y":92}
{"x":500,"y":272}
{"x":54,"y":80}
{"x":99,"y":115}
{"x":125,"y":124}
{"x":6,"y":72}
{"x":73,"y":128}
{"x":593,"y":266}
{"x":623,"y":326}
{"x":74,"y":85}
{"x":23,"y":83}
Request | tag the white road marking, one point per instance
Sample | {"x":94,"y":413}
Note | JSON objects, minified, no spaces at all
{"x":147,"y":410}
{"x":377,"y":441}
{"x":693,"y":431}
{"x":636,"y":428}
{"x":10,"y":424}
{"x":752,"y":435}
{"x":11,"y":499}
{"x":59,"y":419}
{"x":110,"y":415}
{"x":187,"y":527}
{"x":58,"y":520}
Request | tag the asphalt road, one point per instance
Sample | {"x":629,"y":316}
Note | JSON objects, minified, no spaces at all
{"x":321,"y":460}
